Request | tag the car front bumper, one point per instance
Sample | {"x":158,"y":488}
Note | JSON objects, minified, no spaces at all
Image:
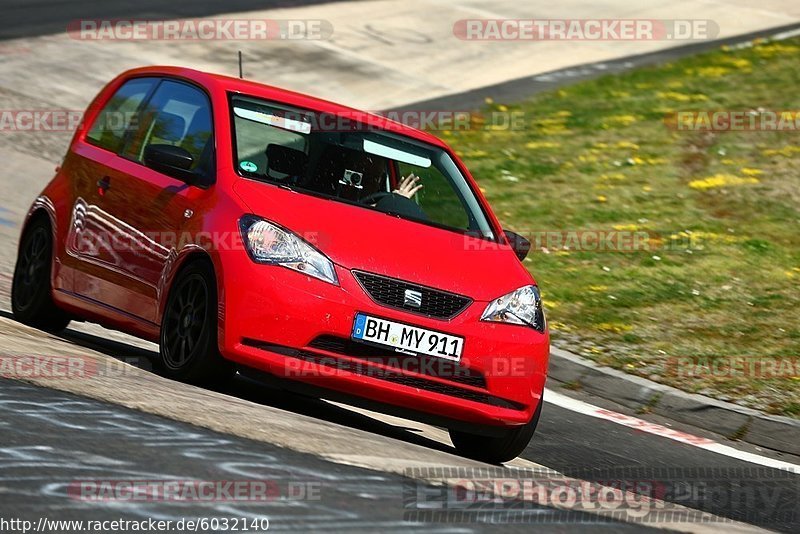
{"x":295,"y":327}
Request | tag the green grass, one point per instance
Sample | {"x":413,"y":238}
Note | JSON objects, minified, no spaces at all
{"x":721,"y":278}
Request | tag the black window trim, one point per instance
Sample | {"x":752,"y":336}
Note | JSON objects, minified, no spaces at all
{"x":156,"y":82}
{"x":205,"y":181}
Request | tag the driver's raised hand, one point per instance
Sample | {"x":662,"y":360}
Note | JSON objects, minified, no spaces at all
{"x":408,"y":186}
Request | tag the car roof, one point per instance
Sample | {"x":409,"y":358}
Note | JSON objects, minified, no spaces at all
{"x":285,"y":96}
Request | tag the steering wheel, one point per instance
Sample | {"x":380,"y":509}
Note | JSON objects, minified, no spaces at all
{"x":374,"y":198}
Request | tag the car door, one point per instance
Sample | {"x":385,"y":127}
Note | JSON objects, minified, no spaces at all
{"x":88,"y":248}
{"x":145,"y":210}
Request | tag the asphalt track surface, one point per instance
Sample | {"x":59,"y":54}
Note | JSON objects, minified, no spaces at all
{"x":26,"y":18}
{"x":50,"y":439}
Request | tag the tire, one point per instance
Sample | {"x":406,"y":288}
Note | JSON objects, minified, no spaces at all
{"x":31,"y":291}
{"x":495,"y":450}
{"x":188,"y":341}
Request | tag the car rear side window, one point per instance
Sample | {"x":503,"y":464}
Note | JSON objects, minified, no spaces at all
{"x":117,"y":116}
{"x":178,"y":114}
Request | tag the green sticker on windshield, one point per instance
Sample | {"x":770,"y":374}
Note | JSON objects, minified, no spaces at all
{"x":248,"y":166}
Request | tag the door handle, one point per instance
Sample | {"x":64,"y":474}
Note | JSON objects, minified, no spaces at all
{"x":102,"y":185}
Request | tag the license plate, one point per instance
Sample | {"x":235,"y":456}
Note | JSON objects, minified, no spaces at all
{"x":406,"y":338}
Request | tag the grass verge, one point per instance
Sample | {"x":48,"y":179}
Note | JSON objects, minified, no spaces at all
{"x":708,"y":301}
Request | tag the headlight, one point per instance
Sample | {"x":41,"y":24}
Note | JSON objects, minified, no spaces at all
{"x":522,"y":306}
{"x":271,"y":244}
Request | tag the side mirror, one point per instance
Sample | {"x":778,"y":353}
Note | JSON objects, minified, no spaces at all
{"x":519,"y":244}
{"x":171,"y":160}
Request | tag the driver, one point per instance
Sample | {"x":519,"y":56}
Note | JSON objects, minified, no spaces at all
{"x":401,"y":200}
{"x":408,"y":186}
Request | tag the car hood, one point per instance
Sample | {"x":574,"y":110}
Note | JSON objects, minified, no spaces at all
{"x":368,"y":240}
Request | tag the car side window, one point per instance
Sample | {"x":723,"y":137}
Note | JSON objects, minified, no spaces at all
{"x":118,"y":115}
{"x":178,"y":114}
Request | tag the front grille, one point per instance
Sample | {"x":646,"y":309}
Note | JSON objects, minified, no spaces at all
{"x":421,"y":364}
{"x":389,"y":375}
{"x":392,"y":293}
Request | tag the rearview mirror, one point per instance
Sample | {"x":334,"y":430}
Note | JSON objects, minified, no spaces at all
{"x":519,"y":244}
{"x":171,"y":160}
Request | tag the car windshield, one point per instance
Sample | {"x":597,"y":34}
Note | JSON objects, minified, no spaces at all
{"x":342,"y":160}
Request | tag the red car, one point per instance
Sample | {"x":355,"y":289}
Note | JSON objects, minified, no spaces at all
{"x":245,"y":227}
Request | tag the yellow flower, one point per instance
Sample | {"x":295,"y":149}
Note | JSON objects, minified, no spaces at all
{"x":627,"y":144}
{"x":751,"y":172}
{"x":601,"y":198}
{"x":541,"y":144}
{"x":787,"y":151}
{"x":708,"y":72}
{"x":558,"y":325}
{"x":554,"y":130}
{"x":489,"y":100}
{"x":622,"y":120}
{"x":501,"y":107}
{"x":773,"y":49}
{"x":614,"y":327}
{"x":681,"y":97}
{"x":711,"y":237}
{"x":720,"y":180}
{"x":737,"y":62}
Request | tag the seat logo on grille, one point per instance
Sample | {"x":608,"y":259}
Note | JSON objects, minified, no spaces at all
{"x":412,"y":298}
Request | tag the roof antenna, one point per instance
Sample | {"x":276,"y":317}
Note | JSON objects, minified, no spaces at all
{"x":240,"y":65}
